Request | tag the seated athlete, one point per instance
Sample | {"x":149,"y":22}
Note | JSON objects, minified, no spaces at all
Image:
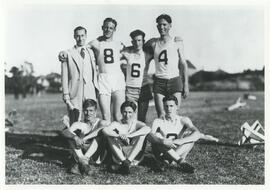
{"x":86,"y":139}
{"x":127,"y":132}
{"x":172,"y":138}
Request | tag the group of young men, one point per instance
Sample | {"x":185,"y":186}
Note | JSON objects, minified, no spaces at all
{"x":93,"y":72}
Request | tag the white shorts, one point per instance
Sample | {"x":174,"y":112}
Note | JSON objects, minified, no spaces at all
{"x":109,"y":83}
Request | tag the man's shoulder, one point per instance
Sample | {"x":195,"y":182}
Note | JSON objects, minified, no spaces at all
{"x":115,"y":124}
{"x":103,"y":123}
{"x":152,"y":41}
{"x":184,"y":119}
{"x":158,"y":120}
{"x":93,"y":43}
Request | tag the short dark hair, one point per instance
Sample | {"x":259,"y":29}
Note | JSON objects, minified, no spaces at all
{"x":89,"y":103}
{"x":165,"y":17}
{"x":110,"y":20}
{"x":135,"y":33}
{"x":80,"y":28}
{"x":170,"y":98}
{"x":128,"y":104}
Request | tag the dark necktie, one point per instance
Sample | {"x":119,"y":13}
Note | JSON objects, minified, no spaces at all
{"x":82,"y":53}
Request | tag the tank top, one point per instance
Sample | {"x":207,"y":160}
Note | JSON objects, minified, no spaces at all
{"x":135,"y":69}
{"x":166,"y":59}
{"x":109,"y":56}
{"x":169,"y":129}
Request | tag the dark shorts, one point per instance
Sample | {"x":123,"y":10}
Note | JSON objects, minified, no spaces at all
{"x":167,"y":87}
{"x":146,"y":93}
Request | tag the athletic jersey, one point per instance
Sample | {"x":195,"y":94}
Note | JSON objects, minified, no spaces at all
{"x":168,"y":129}
{"x":124,"y":128}
{"x":83,"y":128}
{"x":166,"y":59}
{"x":135,"y":69}
{"x":109,"y":56}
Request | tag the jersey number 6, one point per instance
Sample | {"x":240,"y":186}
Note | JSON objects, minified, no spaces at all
{"x":135,"y":70}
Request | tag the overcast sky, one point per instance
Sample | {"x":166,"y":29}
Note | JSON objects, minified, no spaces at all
{"x":215,"y":37}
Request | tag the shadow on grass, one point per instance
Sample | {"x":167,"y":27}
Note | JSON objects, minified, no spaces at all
{"x":42,"y":148}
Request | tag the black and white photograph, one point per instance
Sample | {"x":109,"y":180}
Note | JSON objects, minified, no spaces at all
{"x":134,"y":94}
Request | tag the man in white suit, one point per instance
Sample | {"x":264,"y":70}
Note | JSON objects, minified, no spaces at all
{"x":79,"y":75}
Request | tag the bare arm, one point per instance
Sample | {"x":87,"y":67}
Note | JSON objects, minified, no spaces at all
{"x":111,"y":130}
{"x":194,"y":136}
{"x":69,"y":133}
{"x":142,"y":130}
{"x":64,"y":78}
{"x":153,"y":137}
{"x":184,"y":72}
{"x":102,"y":124}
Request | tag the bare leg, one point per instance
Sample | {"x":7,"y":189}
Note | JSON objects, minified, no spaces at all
{"x":183,"y":150}
{"x":78,"y":154}
{"x":137,"y":147}
{"x":105,"y":106}
{"x":92,"y":149}
{"x":118,"y":97}
{"x":116,"y":148}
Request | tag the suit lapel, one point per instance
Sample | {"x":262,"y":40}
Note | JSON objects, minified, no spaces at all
{"x":76,"y":58}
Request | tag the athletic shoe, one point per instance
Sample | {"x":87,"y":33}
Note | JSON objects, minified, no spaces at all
{"x":185,"y":168}
{"x":75,"y":169}
{"x":84,"y":167}
{"x":124,"y":169}
{"x":159,"y":166}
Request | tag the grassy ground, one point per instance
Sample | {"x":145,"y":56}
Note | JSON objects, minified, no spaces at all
{"x":35,"y":154}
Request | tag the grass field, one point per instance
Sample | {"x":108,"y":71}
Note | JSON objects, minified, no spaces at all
{"x":36,"y":154}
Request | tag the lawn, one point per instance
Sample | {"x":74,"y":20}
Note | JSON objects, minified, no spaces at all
{"x":36,"y":154}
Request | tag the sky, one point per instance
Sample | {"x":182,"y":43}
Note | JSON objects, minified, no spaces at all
{"x":230,"y":38}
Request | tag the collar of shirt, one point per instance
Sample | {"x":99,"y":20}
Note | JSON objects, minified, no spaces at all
{"x":79,"y":48}
{"x":171,"y":119}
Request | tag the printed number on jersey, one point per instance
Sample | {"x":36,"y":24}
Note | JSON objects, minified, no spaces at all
{"x":171,"y":136}
{"x":108,"y":56}
{"x":135,"y":70}
{"x":163,"y":57}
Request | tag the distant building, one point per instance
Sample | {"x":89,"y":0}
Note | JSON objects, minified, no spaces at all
{"x":191,"y":68}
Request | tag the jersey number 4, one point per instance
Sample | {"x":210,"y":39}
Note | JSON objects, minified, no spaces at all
{"x":135,"y":70}
{"x":163,"y":57}
{"x":108,"y":56}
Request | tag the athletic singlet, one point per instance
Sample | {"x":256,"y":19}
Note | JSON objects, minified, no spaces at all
{"x":123,"y":128}
{"x":135,"y":69}
{"x":109,"y":56}
{"x":84,"y":127}
{"x":168,"y":129}
{"x":166,"y":59}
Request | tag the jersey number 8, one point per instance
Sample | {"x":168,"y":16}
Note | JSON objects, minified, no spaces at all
{"x":108,"y":56}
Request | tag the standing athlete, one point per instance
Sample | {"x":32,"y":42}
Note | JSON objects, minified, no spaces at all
{"x":168,"y":55}
{"x":137,"y":87}
{"x":111,"y":79}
